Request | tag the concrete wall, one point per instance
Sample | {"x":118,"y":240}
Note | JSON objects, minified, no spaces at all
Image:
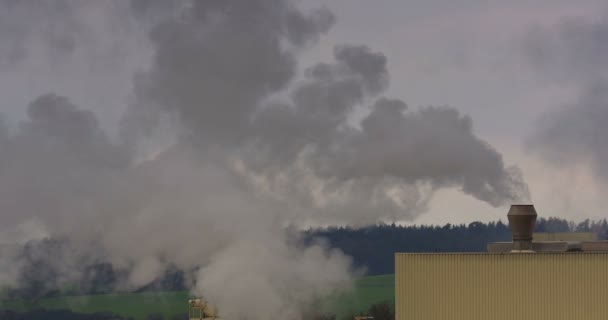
{"x":528,"y":286}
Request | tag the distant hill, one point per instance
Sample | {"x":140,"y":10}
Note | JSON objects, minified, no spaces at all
{"x":372,"y":248}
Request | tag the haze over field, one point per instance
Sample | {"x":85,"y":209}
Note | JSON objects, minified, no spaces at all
{"x":154,"y":134}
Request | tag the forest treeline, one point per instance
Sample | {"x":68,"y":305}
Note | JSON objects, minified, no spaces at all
{"x":372,"y":248}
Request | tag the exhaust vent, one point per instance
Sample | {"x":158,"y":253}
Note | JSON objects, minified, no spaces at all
{"x":522,"y":219}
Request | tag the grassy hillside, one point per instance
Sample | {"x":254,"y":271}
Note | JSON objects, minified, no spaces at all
{"x":136,"y":305}
{"x":368,"y":290}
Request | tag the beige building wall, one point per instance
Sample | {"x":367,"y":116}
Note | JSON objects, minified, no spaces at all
{"x":525,"y":286}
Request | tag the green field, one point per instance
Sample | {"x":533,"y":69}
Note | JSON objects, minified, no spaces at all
{"x":368,"y":290}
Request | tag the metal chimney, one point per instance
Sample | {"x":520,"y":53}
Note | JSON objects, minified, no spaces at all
{"x":522,"y":218}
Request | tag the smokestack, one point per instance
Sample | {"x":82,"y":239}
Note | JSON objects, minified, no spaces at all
{"x":522,"y":218}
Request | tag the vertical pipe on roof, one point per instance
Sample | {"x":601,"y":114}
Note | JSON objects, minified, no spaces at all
{"x":522,"y":219}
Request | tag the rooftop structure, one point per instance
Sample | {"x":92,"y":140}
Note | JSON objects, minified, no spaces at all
{"x":522,"y":279}
{"x":522,"y":219}
{"x":199,"y":309}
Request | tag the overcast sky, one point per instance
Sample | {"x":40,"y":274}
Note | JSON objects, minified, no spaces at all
{"x":474,"y":56}
{"x":480,"y":57}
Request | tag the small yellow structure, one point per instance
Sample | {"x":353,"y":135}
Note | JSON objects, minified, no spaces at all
{"x":200,"y":309}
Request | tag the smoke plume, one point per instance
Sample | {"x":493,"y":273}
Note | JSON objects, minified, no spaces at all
{"x":227,"y":141}
{"x":573,"y":52}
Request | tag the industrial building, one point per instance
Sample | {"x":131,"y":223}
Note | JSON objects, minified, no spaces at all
{"x":199,"y":309}
{"x":522,"y":279}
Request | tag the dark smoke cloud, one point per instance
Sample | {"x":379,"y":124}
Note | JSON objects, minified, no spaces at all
{"x":253,"y":145}
{"x":383,"y":160}
{"x":214,"y":65}
{"x":573,"y":52}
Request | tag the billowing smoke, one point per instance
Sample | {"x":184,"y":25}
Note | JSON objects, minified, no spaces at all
{"x":573,"y":52}
{"x":224,"y":145}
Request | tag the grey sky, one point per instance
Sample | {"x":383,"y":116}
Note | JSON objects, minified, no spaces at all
{"x":474,"y":56}
{"x":155,"y":135}
{"x":469,"y":55}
